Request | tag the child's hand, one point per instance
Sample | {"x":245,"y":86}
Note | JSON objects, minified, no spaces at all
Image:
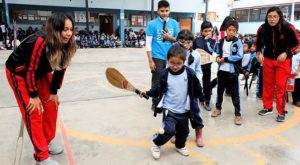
{"x":142,"y":93}
{"x":207,"y":37}
{"x":220,"y":60}
{"x":246,"y":74}
{"x":260,"y":57}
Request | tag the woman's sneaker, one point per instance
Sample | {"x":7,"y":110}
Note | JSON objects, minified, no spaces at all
{"x":155,"y":151}
{"x":55,"y":149}
{"x":265,"y":112}
{"x":280,"y":118}
{"x":183,"y":151}
{"x":47,"y":161}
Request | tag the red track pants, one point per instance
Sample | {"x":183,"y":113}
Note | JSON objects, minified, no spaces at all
{"x":40,"y":127}
{"x":275,"y":76}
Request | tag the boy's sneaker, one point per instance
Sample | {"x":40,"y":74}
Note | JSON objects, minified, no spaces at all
{"x":238,"y":120}
{"x":216,"y":112}
{"x":280,"y":118}
{"x":55,"y":149}
{"x":155,"y":150}
{"x":48,"y":161}
{"x":207,"y":107}
{"x":265,"y":112}
{"x":183,"y":151}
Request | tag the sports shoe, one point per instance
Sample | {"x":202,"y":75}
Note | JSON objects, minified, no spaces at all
{"x":55,"y":149}
{"x":155,"y":150}
{"x":48,"y":161}
{"x":183,"y":151}
{"x":265,"y":112}
{"x":238,"y":120}
{"x":207,"y":107}
{"x":280,"y":118}
{"x":216,"y":112}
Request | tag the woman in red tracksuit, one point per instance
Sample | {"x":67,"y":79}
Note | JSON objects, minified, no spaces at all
{"x":276,"y":43}
{"x":35,"y":72}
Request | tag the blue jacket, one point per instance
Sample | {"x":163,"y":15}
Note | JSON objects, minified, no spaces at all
{"x":236,"y":55}
{"x":194,"y":90}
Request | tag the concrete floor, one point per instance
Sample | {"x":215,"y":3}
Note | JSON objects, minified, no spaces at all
{"x":100,"y":124}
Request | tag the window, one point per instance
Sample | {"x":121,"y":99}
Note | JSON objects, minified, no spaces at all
{"x":30,"y":16}
{"x":297,"y":12}
{"x":254,"y":13}
{"x":285,"y":12}
{"x":232,"y":13}
{"x":137,"y":20}
{"x":244,"y":15}
{"x":263,"y":13}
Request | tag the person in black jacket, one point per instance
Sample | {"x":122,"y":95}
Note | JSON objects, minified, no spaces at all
{"x":179,"y":93}
{"x":276,"y":42}
{"x":29,"y":72}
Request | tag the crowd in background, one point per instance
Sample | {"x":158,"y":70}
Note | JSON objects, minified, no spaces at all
{"x":95,"y":39}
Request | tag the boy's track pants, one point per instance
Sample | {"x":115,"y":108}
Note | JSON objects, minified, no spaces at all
{"x":173,"y":124}
{"x":40,"y":127}
{"x":275,"y":76}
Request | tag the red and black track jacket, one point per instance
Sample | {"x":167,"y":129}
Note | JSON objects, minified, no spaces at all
{"x":29,"y":60}
{"x":275,"y":42}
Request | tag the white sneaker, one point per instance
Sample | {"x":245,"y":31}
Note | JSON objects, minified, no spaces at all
{"x":55,"y":149}
{"x":48,"y":161}
{"x":155,"y":150}
{"x":183,"y":151}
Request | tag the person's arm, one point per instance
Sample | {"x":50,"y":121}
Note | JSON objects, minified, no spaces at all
{"x":198,"y":69}
{"x":149,"y":38}
{"x":33,"y":66}
{"x":149,"y":52}
{"x":294,"y":42}
{"x":259,"y":44}
{"x":197,"y":88}
{"x":175,"y":33}
{"x":166,"y":36}
{"x":238,"y":56}
{"x":57,"y":80}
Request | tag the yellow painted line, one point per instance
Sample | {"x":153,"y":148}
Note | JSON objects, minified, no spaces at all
{"x":260,"y":160}
{"x":138,"y":143}
{"x":103,"y":139}
{"x":284,"y":141}
{"x":277,"y":137}
{"x":201,"y":158}
{"x":290,"y":123}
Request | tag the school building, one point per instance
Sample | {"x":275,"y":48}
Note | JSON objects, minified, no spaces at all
{"x":252,"y":13}
{"x":104,"y":16}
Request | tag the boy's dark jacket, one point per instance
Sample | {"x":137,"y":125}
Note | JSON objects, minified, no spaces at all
{"x":194,"y":89}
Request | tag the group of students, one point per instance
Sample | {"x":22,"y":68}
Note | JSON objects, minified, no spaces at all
{"x":178,"y":76}
{"x":35,"y":72}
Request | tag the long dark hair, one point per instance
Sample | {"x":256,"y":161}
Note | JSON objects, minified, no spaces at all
{"x":281,"y":21}
{"x":225,"y":23}
{"x":59,"y":54}
{"x":278,"y":29}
